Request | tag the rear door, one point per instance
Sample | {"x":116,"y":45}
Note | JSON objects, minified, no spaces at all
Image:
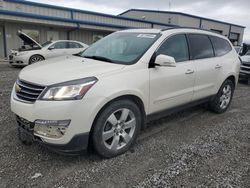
{"x":74,"y":47}
{"x":207,"y":66}
{"x":172,"y":86}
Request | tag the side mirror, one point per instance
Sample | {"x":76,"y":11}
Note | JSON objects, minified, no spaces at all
{"x":51,"y":48}
{"x":164,"y":60}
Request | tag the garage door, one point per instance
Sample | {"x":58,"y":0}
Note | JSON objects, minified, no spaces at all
{"x":1,"y":43}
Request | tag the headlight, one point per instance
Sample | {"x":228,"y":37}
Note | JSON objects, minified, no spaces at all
{"x":72,"y":90}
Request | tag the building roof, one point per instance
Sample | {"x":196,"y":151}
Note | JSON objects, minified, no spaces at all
{"x":179,"y":13}
{"x":72,"y":20}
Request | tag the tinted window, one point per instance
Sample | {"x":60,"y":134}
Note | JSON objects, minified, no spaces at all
{"x":200,"y":46}
{"x":175,"y":47}
{"x":121,"y":47}
{"x":60,"y":45}
{"x":221,"y":46}
{"x":74,"y":45}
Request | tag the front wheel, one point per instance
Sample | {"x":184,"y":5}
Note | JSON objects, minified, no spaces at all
{"x":223,"y":98}
{"x":116,"y":128}
{"x":35,"y":58}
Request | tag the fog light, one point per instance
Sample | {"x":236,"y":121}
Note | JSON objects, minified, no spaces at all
{"x":51,"y":128}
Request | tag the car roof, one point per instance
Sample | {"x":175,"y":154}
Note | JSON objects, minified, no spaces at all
{"x":179,"y":29}
{"x":67,"y":41}
{"x":141,"y":31}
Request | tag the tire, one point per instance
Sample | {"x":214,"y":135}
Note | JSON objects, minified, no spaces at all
{"x":35,"y":58}
{"x":116,"y":128}
{"x":223,"y":98}
{"x":23,"y":137}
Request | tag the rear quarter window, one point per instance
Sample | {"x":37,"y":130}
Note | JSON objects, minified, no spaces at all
{"x":221,"y":46}
{"x":200,"y":46}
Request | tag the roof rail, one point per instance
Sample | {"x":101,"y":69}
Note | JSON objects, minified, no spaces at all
{"x":201,"y":29}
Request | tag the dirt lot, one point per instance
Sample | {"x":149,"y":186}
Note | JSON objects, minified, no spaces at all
{"x":194,"y":148}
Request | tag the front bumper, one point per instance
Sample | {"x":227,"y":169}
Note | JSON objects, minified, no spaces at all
{"x":81,"y":113}
{"x":18,"y":60}
{"x":76,"y":145}
{"x":244,"y":74}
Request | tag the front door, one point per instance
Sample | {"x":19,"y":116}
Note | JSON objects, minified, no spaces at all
{"x":57,"y":49}
{"x":1,"y":42}
{"x":172,"y":86}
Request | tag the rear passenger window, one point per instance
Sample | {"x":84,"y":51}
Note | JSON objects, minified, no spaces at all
{"x":221,"y":46}
{"x":200,"y":46}
{"x":175,"y":47}
{"x":74,"y":45}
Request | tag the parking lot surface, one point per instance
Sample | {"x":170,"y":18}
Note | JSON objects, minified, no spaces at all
{"x":193,"y":148}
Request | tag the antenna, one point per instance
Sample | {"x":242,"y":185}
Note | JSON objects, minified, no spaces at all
{"x":169,"y":4}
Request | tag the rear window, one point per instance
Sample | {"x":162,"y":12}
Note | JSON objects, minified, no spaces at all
{"x":200,"y":46}
{"x":221,"y":46}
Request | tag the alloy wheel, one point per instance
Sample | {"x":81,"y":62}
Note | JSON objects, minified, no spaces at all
{"x":119,"y":129}
{"x":225,"y":97}
{"x":35,"y":59}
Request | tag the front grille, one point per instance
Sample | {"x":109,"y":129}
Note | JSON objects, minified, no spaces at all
{"x":28,"y":92}
{"x":245,"y":67}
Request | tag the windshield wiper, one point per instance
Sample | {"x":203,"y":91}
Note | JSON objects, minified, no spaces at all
{"x":99,"y":58}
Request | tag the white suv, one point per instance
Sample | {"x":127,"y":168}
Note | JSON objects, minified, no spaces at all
{"x":105,"y":95}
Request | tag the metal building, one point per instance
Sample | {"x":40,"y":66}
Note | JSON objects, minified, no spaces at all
{"x":46,"y":22}
{"x":232,"y":31}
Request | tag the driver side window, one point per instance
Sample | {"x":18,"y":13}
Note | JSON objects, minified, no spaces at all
{"x":176,"y":47}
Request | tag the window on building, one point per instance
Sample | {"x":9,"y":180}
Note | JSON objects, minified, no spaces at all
{"x":216,"y":31}
{"x":175,"y":47}
{"x":1,"y":3}
{"x":221,"y":46}
{"x":200,"y":46}
{"x":234,"y":38}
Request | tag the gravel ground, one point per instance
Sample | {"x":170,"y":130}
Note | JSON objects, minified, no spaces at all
{"x":193,"y":148}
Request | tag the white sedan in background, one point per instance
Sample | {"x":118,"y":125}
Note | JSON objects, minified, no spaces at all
{"x":33,"y":51}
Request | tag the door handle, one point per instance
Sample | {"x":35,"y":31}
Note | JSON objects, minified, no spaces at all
{"x":218,"y":66}
{"x":189,"y":71}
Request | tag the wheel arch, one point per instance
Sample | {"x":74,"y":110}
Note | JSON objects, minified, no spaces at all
{"x":137,"y":100}
{"x":233,"y":79}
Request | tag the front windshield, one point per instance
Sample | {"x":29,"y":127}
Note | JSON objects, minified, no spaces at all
{"x":46,"y":43}
{"x":122,"y":47}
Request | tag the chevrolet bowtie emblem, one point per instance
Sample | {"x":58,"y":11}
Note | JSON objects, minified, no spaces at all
{"x":17,"y":88}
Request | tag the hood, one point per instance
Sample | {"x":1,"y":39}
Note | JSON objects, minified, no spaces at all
{"x":245,"y":58}
{"x":28,"y":40}
{"x":66,"y":68}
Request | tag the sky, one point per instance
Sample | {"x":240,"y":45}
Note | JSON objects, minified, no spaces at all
{"x":233,"y":11}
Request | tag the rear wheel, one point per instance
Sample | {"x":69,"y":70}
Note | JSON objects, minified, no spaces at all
{"x":35,"y":58}
{"x":116,"y":128}
{"x":223,"y":98}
